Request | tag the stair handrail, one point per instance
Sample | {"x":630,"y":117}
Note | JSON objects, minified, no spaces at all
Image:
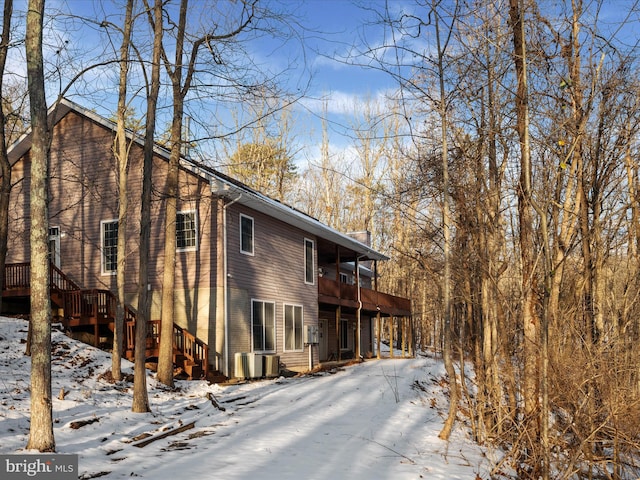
{"x":19,"y":275}
{"x":60,"y":281}
{"x":16,"y":275}
{"x":191,"y":347}
{"x":103,"y":305}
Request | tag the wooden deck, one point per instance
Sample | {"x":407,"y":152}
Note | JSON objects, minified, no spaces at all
{"x":95,"y":311}
{"x":337,"y":293}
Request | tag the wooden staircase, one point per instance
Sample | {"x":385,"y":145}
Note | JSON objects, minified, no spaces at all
{"x":95,"y":310}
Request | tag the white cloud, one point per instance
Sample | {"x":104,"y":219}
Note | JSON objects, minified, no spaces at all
{"x":346,"y":103}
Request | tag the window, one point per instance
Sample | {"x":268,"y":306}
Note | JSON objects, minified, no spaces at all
{"x":186,"y":231}
{"x":309,"y":264}
{"x":344,"y":278}
{"x":293,"y":328}
{"x":263,"y":326}
{"x":109,"y":235}
{"x":54,"y":246}
{"x":344,"y":334}
{"x":246,"y":234}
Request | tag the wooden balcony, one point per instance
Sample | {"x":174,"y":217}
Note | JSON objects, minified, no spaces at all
{"x":333,"y":292}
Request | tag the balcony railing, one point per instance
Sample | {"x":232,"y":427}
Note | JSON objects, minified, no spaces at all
{"x":338,"y":293}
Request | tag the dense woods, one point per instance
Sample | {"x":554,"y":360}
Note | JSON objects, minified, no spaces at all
{"x":542,"y":145}
{"x":501,"y":176}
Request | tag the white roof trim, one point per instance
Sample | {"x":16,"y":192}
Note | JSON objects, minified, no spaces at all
{"x":220,"y":185}
{"x":262,"y":203}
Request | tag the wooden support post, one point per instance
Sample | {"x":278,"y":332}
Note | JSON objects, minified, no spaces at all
{"x":391,"y":332}
{"x":412,"y":342}
{"x":403,"y":323}
{"x":96,"y":332}
{"x":338,"y":314}
{"x":379,"y":333}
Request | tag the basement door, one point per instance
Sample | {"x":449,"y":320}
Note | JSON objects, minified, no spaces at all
{"x":323,"y":337}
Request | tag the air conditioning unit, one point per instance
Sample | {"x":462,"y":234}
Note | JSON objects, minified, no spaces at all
{"x":241,"y":365}
{"x":255,"y":365}
{"x":248,"y":365}
{"x":271,"y":366}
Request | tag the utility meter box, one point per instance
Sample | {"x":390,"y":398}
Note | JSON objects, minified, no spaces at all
{"x":311,"y":335}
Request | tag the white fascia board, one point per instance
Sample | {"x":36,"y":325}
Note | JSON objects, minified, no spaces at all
{"x":219,"y":186}
{"x":268,"y":206}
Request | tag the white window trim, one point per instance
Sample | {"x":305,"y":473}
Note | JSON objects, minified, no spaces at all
{"x":275,"y":326}
{"x":195,"y":221}
{"x":313,"y":261}
{"x":253,"y":235}
{"x":284,"y":325}
{"x":102,"y":259}
{"x":54,"y":235}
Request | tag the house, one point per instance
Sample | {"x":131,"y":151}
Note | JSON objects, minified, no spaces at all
{"x":254,"y":277}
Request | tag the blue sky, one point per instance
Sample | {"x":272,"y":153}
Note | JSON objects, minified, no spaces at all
{"x":324,"y":29}
{"x":333,"y":29}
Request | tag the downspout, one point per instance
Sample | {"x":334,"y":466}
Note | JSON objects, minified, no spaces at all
{"x":225,"y":284}
{"x":358,"y":312}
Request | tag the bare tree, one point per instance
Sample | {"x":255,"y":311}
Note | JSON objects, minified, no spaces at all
{"x":262,"y":156}
{"x":181,"y":80}
{"x":371,"y":132}
{"x":530,"y":319}
{"x":140,"y":396}
{"x":5,"y":164}
{"x":322,"y":191}
{"x":121,"y":153}
{"x":41,"y":426}
{"x":447,"y":351}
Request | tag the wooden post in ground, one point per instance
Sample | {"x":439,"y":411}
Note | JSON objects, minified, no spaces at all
{"x":412,"y":343}
{"x":379,"y":333}
{"x":391,"y":341}
{"x":338,"y":312}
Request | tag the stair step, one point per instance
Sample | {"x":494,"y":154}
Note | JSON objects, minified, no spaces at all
{"x":93,"y":309}
{"x":193,"y":371}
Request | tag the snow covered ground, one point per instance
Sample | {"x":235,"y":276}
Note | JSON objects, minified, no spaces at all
{"x":375,"y":420}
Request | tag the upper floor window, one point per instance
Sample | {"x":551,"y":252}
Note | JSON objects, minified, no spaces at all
{"x":309,"y":264}
{"x":186,"y":231}
{"x":246,"y":234}
{"x":109,"y":246}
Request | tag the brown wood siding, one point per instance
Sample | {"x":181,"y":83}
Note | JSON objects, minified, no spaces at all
{"x":275,"y":273}
{"x":18,"y":250}
{"x":83,"y":192}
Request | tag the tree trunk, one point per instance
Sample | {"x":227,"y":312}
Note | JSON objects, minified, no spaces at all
{"x":165,"y":357}
{"x":41,"y":425}
{"x":140,"y":396}
{"x":5,"y":165}
{"x":529,"y":389}
{"x":447,"y":350}
{"x":122,"y":159}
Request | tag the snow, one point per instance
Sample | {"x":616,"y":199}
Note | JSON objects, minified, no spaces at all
{"x":375,"y":420}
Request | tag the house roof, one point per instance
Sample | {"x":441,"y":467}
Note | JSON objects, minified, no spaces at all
{"x":224,"y":186}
